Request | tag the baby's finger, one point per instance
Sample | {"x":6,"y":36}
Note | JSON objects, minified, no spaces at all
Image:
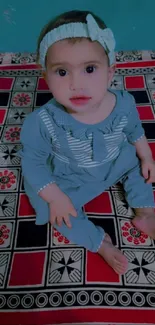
{"x":151,"y":179}
{"x":52,"y":218}
{"x":67,"y":221}
{"x":52,"y":215}
{"x":73,"y":212}
{"x":145,"y":171}
{"x":59,"y":221}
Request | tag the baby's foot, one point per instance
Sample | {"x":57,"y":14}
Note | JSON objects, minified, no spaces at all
{"x":144,"y":221}
{"x":113,"y":256}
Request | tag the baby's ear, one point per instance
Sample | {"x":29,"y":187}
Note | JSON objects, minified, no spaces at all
{"x":111,"y":73}
{"x":39,"y":66}
{"x":44,"y":74}
{"x":112,"y":68}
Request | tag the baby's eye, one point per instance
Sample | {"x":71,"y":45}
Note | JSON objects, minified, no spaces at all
{"x":61,"y":72}
{"x":90,"y":69}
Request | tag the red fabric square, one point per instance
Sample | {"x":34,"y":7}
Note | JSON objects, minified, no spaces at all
{"x":6,"y":83}
{"x":101,"y":204}
{"x":134,"y":82}
{"x":42,"y":85}
{"x":27,"y":269}
{"x":2,"y":115}
{"x":145,"y":112}
{"x":25,"y":208}
{"x":152,"y":146}
{"x":99,"y":271}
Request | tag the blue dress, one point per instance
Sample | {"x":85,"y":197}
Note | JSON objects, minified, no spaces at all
{"x":83,"y":160}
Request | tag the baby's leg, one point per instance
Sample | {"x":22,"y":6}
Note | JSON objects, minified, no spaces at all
{"x":139,"y":195}
{"x":113,"y":256}
{"x":144,"y":220}
{"x":93,"y":238}
{"x":83,"y":233}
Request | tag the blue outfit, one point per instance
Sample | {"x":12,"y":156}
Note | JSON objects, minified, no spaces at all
{"x":83,"y":160}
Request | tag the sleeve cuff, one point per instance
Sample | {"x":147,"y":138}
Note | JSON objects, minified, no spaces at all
{"x":45,"y":186}
{"x":139,"y":138}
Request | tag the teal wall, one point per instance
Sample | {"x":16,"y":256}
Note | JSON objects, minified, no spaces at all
{"x":132,"y":21}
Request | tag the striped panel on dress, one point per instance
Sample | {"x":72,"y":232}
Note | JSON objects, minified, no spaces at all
{"x":82,"y":149}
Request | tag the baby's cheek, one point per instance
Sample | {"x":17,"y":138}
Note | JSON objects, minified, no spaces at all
{"x":53,"y":85}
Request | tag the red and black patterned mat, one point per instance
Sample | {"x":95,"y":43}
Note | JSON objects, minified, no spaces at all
{"x":45,"y":279}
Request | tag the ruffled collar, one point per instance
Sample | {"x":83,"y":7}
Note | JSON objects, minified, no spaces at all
{"x":66,"y":122}
{"x":81,"y":130}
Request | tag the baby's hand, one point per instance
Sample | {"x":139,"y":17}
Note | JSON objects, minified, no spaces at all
{"x":60,"y":209}
{"x":148,"y":170}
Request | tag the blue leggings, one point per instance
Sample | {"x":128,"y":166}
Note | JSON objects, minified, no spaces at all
{"x":83,"y":231}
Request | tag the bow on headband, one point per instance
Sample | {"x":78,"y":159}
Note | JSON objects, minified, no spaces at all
{"x":90,"y":30}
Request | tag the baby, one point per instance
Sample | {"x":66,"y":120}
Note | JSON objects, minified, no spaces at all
{"x":86,"y":139}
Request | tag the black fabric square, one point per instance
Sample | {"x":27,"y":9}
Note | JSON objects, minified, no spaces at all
{"x":30,"y":235}
{"x":108,"y":225}
{"x":4,"y":98}
{"x":149,"y":130}
{"x":141,"y":97}
{"x":42,"y":98}
{"x":22,"y":185}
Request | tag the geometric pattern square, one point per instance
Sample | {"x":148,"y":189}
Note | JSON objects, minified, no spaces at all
{"x":117,"y":82}
{"x":25,"y":83}
{"x":9,"y":179}
{"x":8,"y":204}
{"x":6,"y":234}
{"x":66,"y":267}
{"x":141,"y":269}
{"x":17,"y":115}
{"x":9,"y":154}
{"x":130,"y":236}
{"x":22,"y":99}
{"x":11,"y":134}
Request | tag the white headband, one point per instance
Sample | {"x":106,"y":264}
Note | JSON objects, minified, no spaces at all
{"x":90,"y":30}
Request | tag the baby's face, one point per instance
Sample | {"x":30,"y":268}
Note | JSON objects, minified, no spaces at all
{"x":78,"y":74}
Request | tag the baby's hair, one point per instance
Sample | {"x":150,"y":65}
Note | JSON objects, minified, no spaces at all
{"x":75,"y":16}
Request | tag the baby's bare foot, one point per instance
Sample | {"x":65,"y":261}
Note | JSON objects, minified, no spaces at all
{"x":113,"y":256}
{"x":144,"y":221}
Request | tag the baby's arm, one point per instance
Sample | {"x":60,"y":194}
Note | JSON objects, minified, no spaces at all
{"x":136,"y":135}
{"x":147,"y":163}
{"x":34,"y":155}
{"x":143,"y":150}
